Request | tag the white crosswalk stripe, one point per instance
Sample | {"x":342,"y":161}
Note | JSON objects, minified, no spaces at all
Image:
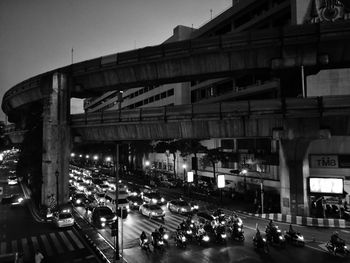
{"x":133,"y":230}
{"x":50,"y":244}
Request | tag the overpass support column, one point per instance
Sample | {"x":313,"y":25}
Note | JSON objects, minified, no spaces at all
{"x":56,"y":140}
{"x":294,"y":167}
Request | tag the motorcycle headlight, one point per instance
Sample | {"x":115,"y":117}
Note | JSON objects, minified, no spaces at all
{"x":153,"y":213}
{"x":301,"y":238}
{"x":78,"y":201}
{"x":195,"y":207}
{"x":135,"y":204}
{"x":280,"y":237}
{"x":103,"y":219}
{"x":223,"y":235}
{"x":166,"y":236}
{"x":20,"y":200}
{"x":154,"y":200}
{"x":115,"y":218}
{"x":189,"y":232}
{"x":264,"y":239}
{"x":239,"y":224}
{"x":162,"y":199}
{"x":183,"y":239}
{"x":278,"y":231}
{"x":161,"y":242}
{"x":239,"y":229}
{"x":205,"y":238}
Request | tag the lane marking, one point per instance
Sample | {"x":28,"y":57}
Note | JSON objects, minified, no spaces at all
{"x":66,"y":241}
{"x":315,"y":248}
{"x":25,"y":247}
{"x":57,"y":243}
{"x":46,"y":245}
{"x":76,"y":239}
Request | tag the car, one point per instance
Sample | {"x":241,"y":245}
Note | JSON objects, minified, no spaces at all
{"x":134,"y":190}
{"x":168,"y":183}
{"x":194,"y":206}
{"x":179,"y":206}
{"x":100,"y":197}
{"x":134,"y":202}
{"x":102,"y":216}
{"x":63,"y":218}
{"x":145,"y":189}
{"x":102,"y":187}
{"x":152,"y":211}
{"x":80,"y":199}
{"x":89,"y":190}
{"x":13,"y":200}
{"x":12,"y":180}
{"x":153,"y":198}
{"x":202,"y":217}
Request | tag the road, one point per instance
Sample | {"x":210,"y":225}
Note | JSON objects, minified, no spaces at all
{"x":232,"y":252}
{"x":19,"y":232}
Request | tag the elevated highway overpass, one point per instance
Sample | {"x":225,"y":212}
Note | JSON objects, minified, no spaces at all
{"x":277,"y":51}
{"x":314,"y":46}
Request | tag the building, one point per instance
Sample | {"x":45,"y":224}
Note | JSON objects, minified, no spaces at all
{"x":262,"y":157}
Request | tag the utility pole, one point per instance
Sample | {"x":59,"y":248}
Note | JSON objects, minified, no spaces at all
{"x":116,"y":171}
{"x":72,"y":51}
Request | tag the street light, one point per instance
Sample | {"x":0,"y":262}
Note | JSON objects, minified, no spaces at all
{"x":72,"y":155}
{"x":57,"y":174}
{"x":244,"y":172}
{"x":147,"y":164}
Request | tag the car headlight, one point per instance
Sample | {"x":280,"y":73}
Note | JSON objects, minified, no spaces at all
{"x":166,"y":236}
{"x":103,"y":219}
{"x":278,"y":231}
{"x":239,"y":224}
{"x":189,"y":232}
{"x":280,"y":237}
{"x":78,"y":201}
{"x":135,"y":204}
{"x":153,"y":213}
{"x":183,"y":239}
{"x":20,"y":199}
{"x":195,"y":206}
{"x":101,"y":200}
{"x":162,"y":199}
{"x":154,"y":200}
{"x":345,"y":247}
{"x":223,"y":235}
{"x":205,"y":238}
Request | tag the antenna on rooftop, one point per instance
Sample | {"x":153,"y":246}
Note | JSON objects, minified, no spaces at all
{"x":72,"y":51}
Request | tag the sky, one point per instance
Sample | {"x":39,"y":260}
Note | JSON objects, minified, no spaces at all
{"x":38,"y":35}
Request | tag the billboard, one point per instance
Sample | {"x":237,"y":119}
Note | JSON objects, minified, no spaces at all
{"x":326,"y":185}
{"x":221,"y":181}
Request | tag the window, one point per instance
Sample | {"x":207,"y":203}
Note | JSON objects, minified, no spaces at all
{"x":170,"y":92}
{"x":157,"y":97}
{"x":151,"y":99}
{"x":163,"y":95}
{"x":145,"y":101}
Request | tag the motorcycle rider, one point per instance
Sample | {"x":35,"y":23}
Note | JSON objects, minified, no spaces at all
{"x":155,"y":236}
{"x":291,"y":230}
{"x":336,"y":241}
{"x":143,"y":237}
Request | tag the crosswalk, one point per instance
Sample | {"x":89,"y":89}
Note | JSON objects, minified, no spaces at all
{"x":50,"y":244}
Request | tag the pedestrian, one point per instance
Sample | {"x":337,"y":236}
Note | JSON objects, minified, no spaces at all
{"x":38,"y":256}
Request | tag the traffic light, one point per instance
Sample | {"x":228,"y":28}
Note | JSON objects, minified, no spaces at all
{"x":114,"y":228}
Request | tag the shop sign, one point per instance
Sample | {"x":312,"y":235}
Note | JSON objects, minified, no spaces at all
{"x":324,"y":161}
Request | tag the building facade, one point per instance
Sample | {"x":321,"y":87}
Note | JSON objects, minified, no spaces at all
{"x":264,"y":159}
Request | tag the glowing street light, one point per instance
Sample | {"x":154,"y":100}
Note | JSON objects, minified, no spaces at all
{"x":80,"y":155}
{"x":95,"y":157}
{"x":108,"y":159}
{"x":72,"y":155}
{"x":87,"y":156}
{"x":147,"y":163}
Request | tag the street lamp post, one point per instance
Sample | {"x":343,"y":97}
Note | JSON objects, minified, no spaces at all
{"x":184,"y":178}
{"x":147,"y":164}
{"x":116,"y":170}
{"x":57,"y":193}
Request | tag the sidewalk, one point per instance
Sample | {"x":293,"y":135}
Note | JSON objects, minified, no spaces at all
{"x":246,"y":208}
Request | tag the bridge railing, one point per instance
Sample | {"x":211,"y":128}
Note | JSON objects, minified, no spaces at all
{"x":290,"y":108}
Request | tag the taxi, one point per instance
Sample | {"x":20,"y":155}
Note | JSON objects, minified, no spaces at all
{"x":63,"y":218}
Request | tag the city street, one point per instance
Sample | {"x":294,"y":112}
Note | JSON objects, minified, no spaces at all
{"x":231,"y":252}
{"x":21,"y":233}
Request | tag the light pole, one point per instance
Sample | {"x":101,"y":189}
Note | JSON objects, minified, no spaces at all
{"x":261,"y":192}
{"x":116,"y":170}
{"x":57,"y":197}
{"x":147,"y":164}
{"x":244,"y":172}
{"x":184,"y":178}
{"x":87,"y":159}
{"x":95,"y":159}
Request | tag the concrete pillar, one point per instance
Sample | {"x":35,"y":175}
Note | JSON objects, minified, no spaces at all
{"x":56,"y":140}
{"x":293,"y":165}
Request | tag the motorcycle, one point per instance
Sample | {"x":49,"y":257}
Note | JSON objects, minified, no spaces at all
{"x":294,"y":238}
{"x":237,"y":233}
{"x":220,"y":234}
{"x":275,"y":236}
{"x":165,"y":237}
{"x":340,"y":249}
{"x":203,"y":238}
{"x":220,"y":216}
{"x":144,"y":244}
{"x":158,"y":243}
{"x":260,"y":244}
{"x":180,"y":240}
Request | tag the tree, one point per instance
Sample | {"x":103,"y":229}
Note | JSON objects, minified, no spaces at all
{"x":188,"y":147}
{"x":212,"y":157}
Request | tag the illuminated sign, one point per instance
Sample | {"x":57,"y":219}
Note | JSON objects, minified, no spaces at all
{"x":189,"y":177}
{"x":221,"y":181}
{"x":328,"y":185}
{"x":324,"y":161}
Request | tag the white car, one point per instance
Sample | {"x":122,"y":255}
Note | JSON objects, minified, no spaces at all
{"x":152,"y":211}
{"x":63,"y":219}
{"x":12,"y":180}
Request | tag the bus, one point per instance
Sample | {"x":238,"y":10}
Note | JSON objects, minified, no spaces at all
{"x":123,"y":204}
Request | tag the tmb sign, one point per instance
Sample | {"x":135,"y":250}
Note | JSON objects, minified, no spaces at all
{"x":324,"y":161}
